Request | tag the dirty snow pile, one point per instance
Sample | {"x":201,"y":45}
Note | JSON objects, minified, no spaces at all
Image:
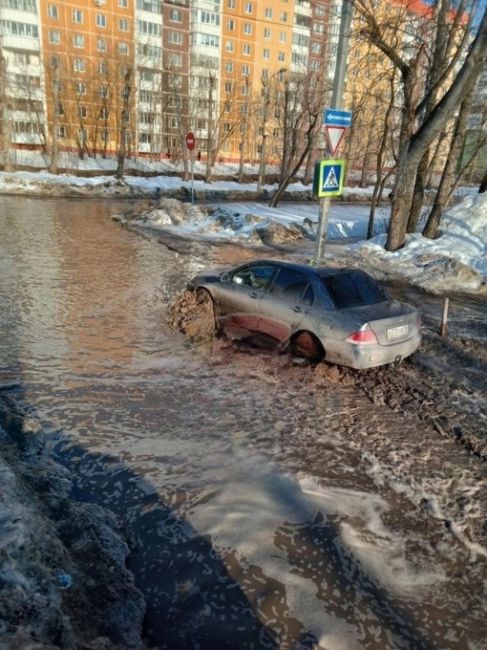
{"x":221,"y":223}
{"x":457,"y":260}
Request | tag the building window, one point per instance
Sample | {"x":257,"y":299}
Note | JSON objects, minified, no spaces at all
{"x":175,"y":38}
{"x":123,"y":3}
{"x":282,"y":37}
{"x":54,"y":62}
{"x":123,"y":25}
{"x":103,"y":91}
{"x":231,"y":4}
{"x":61,"y":132}
{"x":248,"y":8}
{"x":101,"y":44}
{"x":228,"y":86}
{"x":52,"y":12}
{"x":248,"y":28}
{"x":230,"y":25}
{"x":267,"y":33}
{"x":246,"y":49}
{"x":79,"y":65}
{"x":245,"y":70}
{"x":101,"y":20}
{"x":102,"y":67}
{"x":266,"y":53}
{"x":104,"y":133}
{"x":175,"y":60}
{"x":229,"y":46}
{"x":281,"y":57}
{"x":284,"y":16}
{"x":82,"y":111}
{"x":123,"y":49}
{"x":54,"y":37}
{"x":78,"y":40}
{"x":268,"y":12}
{"x":77,"y":16}
{"x":176,"y":15}
{"x":60,"y":109}
{"x":229,"y":66}
{"x":209,"y":17}
{"x":80,"y":87}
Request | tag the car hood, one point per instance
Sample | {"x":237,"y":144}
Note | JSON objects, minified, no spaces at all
{"x":204,"y":278}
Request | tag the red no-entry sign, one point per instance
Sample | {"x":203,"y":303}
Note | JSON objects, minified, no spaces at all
{"x":190,"y":141}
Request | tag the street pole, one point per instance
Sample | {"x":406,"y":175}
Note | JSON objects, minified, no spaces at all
{"x":336,"y":102}
{"x":192,"y":175}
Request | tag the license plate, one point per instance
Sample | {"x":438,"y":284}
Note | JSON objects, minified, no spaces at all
{"x":399,"y":332}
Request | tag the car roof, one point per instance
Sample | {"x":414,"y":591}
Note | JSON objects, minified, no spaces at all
{"x":322,"y":271}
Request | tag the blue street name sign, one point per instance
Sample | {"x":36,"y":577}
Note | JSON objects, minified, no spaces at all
{"x":328,"y":178}
{"x":333,"y":117}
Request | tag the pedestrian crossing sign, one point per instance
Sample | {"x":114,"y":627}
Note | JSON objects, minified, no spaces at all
{"x":328,"y":178}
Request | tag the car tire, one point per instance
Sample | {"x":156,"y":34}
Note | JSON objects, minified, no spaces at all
{"x":305,"y":344}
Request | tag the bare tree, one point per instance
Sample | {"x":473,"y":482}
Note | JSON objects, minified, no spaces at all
{"x":124,"y":122}
{"x":54,"y":153}
{"x":302,"y":111}
{"x":420,"y":127}
{"x":5,"y":121}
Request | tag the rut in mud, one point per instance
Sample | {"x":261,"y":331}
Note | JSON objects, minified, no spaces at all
{"x":426,"y":429}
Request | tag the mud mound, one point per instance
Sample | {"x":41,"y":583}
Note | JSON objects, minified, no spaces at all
{"x":192,"y":314}
{"x":64,"y":583}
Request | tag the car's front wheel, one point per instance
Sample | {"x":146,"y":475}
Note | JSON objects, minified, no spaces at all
{"x":305,"y":344}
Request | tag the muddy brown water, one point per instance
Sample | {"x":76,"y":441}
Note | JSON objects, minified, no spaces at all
{"x":267,"y":504}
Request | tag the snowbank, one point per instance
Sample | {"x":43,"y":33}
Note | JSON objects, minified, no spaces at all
{"x":456,"y":261}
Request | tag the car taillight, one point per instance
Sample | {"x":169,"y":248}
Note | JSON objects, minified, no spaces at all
{"x":362,"y":337}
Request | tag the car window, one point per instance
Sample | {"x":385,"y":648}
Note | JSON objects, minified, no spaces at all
{"x":254,"y":276}
{"x":289,"y":285}
{"x":353,"y":290}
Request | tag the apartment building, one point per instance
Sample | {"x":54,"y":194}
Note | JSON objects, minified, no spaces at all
{"x":71,"y":67}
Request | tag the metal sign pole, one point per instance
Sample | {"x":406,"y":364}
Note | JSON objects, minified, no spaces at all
{"x":192,"y":176}
{"x":336,"y":102}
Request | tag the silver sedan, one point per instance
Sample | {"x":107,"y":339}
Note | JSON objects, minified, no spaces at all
{"x":340,"y":315}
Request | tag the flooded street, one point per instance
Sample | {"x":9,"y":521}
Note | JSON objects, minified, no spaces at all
{"x":266,"y":504}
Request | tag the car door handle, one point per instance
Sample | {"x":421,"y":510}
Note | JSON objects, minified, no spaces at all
{"x":297,"y":309}
{"x":253,"y":294}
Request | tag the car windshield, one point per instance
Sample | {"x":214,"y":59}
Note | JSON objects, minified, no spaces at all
{"x":353,"y":289}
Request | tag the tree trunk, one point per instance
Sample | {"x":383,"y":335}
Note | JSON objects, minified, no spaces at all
{"x":449,"y":175}
{"x":415,"y":146}
{"x":418,"y":193}
{"x":209,"y":132}
{"x":54,"y":162}
{"x":243,"y":140}
{"x":483,"y":184}
{"x":402,"y":198}
{"x":125,"y":118}
{"x":364,"y":172}
{"x":378,"y":178}
{"x":4,"y":108}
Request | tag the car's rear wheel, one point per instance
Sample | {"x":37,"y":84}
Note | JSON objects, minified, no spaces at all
{"x":305,"y":344}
